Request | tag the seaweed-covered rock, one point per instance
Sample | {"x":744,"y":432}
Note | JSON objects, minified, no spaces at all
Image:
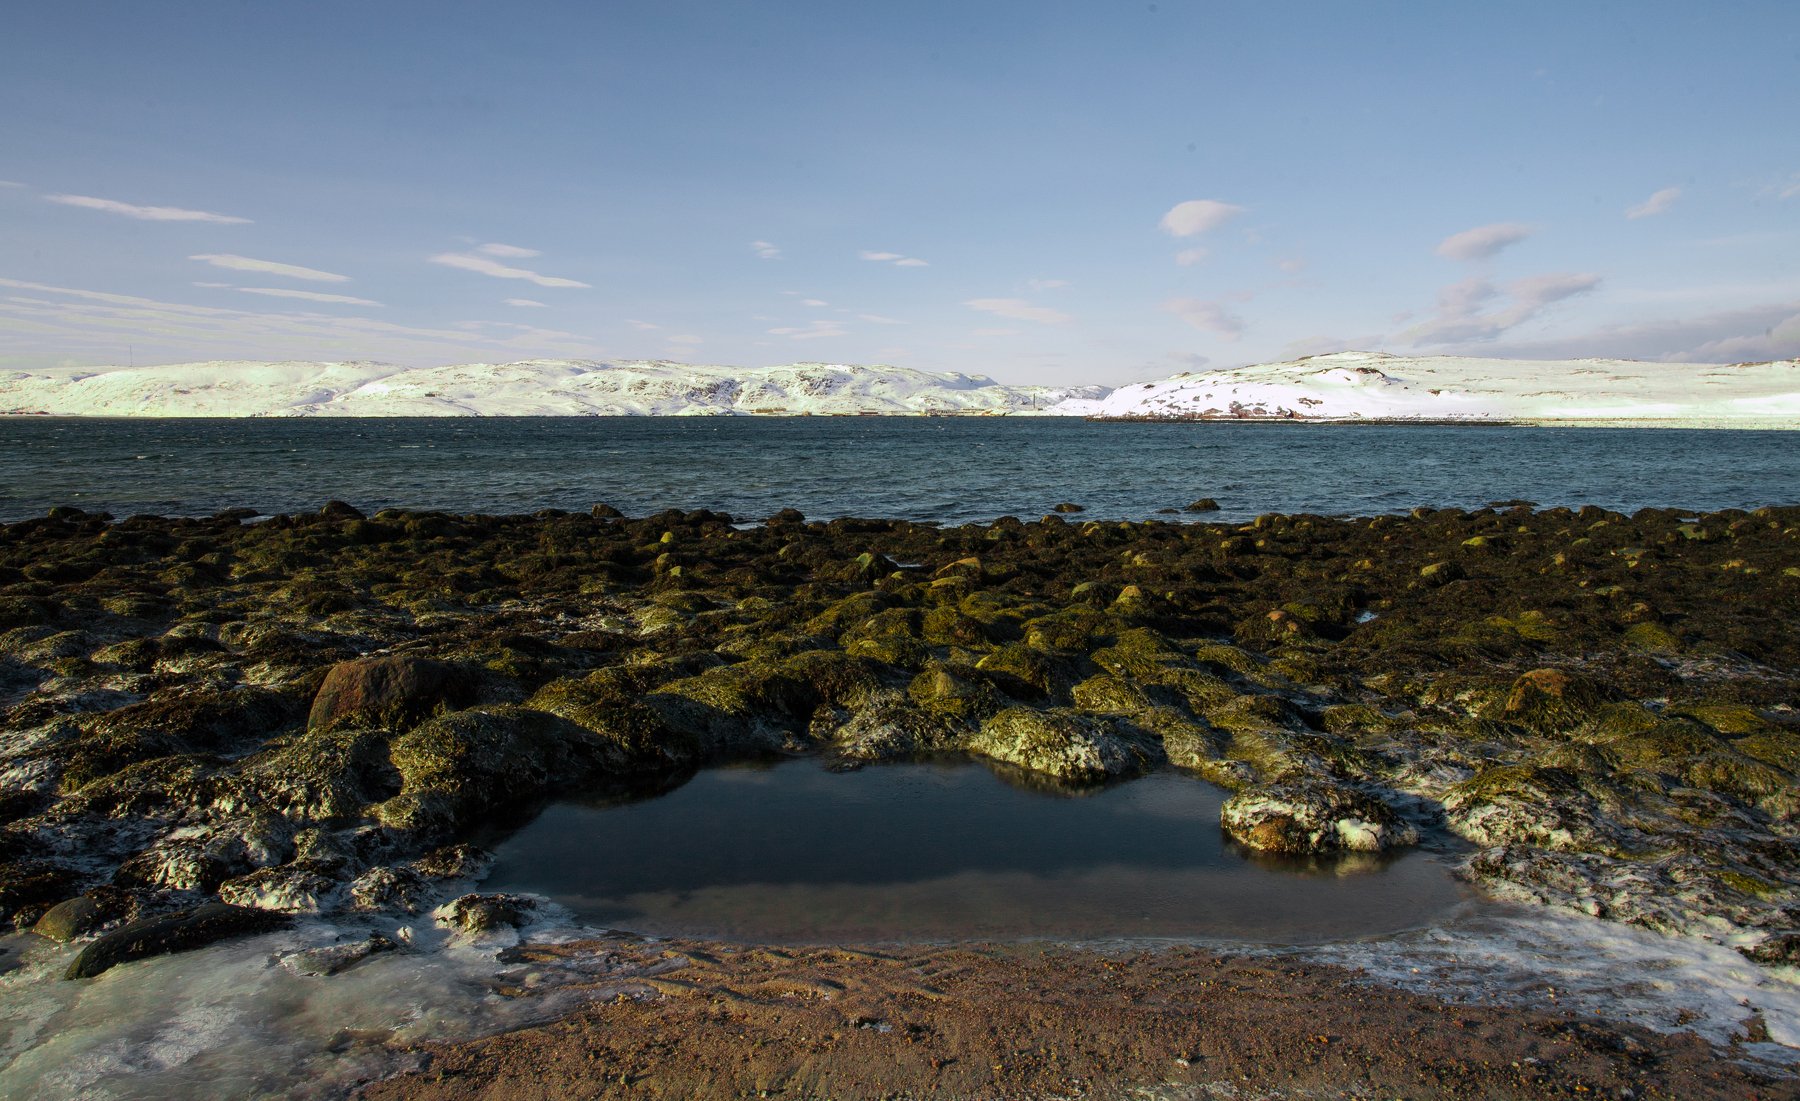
{"x":1552,"y":701}
{"x":458,"y":766}
{"x":182,"y":931}
{"x":1313,"y":817}
{"x":1061,"y":743}
{"x":476,"y":914}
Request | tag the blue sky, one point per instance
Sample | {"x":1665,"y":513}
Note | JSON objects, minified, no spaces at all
{"x":1041,"y":192}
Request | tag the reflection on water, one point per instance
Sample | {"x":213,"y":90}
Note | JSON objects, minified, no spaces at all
{"x":794,"y":853}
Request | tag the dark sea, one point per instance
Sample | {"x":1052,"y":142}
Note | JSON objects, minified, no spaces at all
{"x":951,"y":470}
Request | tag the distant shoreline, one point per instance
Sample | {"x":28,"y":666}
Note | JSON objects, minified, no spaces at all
{"x":1742,"y":424}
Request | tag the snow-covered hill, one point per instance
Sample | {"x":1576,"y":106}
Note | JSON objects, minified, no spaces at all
{"x":545,"y":388}
{"x":1340,"y":386}
{"x":1372,"y":385}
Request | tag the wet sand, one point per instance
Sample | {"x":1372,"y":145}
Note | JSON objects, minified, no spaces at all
{"x":684,"y":1019}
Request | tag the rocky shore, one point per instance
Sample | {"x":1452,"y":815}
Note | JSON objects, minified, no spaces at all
{"x":212,"y":723}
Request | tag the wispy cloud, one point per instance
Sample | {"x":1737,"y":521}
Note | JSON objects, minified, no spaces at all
{"x":1213,"y":317}
{"x":531,"y":302}
{"x":814,"y":302}
{"x":268,"y":267}
{"x":812,"y":331}
{"x":644,"y":325}
{"x":483,"y":265}
{"x":309,"y":296}
{"x":1482,"y":241}
{"x":507,"y":252}
{"x":1464,"y":313}
{"x":50,"y":324}
{"x":1197,"y":216}
{"x":211,"y":286}
{"x":1045,"y":284}
{"x":894,"y":258}
{"x":1747,"y":334}
{"x":877,"y":319}
{"x":764,"y":250}
{"x":1655,"y":204}
{"x":1018,"y":309}
{"x":1188,"y":257}
{"x":11,"y":183}
{"x":147,"y":213}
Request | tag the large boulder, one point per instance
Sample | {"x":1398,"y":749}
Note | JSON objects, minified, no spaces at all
{"x":393,"y":691}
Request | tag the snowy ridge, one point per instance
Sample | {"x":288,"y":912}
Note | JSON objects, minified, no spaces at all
{"x":541,"y":388}
{"x":1376,"y":386}
{"x":1343,"y":386}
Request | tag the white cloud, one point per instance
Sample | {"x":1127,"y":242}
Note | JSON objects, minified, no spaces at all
{"x":1187,"y":258}
{"x":309,"y":296}
{"x":210,"y":286}
{"x":814,"y":302}
{"x":765,"y":251}
{"x":812,"y":331}
{"x":531,"y":302}
{"x":1292,"y":265}
{"x":1790,"y":189}
{"x":645,"y":325}
{"x":1211,"y":316}
{"x":146,"y":213}
{"x":895,"y":258}
{"x":1482,"y":241}
{"x":877,"y":319}
{"x":509,"y":252}
{"x":1460,"y":317}
{"x":1045,"y":284}
{"x":268,"y":267}
{"x":1017,"y":309}
{"x":484,"y":266}
{"x":1655,"y":204}
{"x":10,"y":183}
{"x":1197,"y":216}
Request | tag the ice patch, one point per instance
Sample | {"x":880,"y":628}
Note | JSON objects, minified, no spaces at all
{"x":1555,"y":960}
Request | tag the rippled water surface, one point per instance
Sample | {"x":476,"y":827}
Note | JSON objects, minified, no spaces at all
{"x":945,"y":469}
{"x":794,"y":854}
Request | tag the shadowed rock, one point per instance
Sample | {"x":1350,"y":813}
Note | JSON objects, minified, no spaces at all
{"x":178,"y":932}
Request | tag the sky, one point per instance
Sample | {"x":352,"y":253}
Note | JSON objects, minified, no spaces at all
{"x":1040,"y":192}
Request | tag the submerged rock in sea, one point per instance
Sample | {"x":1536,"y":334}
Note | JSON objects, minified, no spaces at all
{"x":178,"y":932}
{"x":1314,"y":817}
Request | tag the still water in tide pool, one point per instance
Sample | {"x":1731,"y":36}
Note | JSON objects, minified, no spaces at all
{"x":951,"y":470}
{"x":793,"y":853}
